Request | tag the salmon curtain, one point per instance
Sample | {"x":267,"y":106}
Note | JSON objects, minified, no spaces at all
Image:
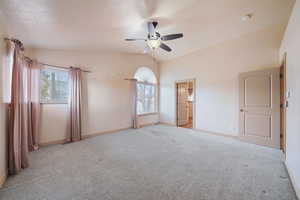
{"x":133,"y":94}
{"x":23,"y":109}
{"x":75,"y":100}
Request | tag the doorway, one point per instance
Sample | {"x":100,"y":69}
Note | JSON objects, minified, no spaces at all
{"x":185,"y":103}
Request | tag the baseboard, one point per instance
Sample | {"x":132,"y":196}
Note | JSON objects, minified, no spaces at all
{"x":216,"y":133}
{"x":166,"y":123}
{"x":205,"y":131}
{"x":149,"y":124}
{"x":83,"y":137}
{"x":2,"y":179}
{"x":95,"y":134}
{"x":115,"y":130}
{"x":44,"y":144}
{"x":105,"y":132}
{"x":293,"y":181}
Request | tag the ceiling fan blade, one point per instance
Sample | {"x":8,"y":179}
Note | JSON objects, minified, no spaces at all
{"x":128,"y":39}
{"x":151,"y":29}
{"x":165,"y":47}
{"x":171,"y":36}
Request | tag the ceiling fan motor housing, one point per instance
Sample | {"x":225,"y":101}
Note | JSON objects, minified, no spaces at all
{"x":155,"y":37}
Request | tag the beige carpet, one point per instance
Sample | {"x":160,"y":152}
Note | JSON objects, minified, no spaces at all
{"x":153,"y":163}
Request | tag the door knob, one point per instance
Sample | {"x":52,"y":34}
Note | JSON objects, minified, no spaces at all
{"x":242,"y":110}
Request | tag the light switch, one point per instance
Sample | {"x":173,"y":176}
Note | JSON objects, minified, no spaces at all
{"x":288,"y":94}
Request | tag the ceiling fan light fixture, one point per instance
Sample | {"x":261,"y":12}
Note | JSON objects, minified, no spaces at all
{"x":247,"y":17}
{"x":153,"y":44}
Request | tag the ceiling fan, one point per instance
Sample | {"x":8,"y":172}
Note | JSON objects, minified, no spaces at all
{"x":154,"y":39}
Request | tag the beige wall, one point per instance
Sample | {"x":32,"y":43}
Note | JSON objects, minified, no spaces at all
{"x":106,"y":93}
{"x":216,"y":72}
{"x":3,"y":167}
{"x":291,"y":45}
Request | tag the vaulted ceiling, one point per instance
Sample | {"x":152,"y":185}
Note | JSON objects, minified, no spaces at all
{"x":103,"y":24}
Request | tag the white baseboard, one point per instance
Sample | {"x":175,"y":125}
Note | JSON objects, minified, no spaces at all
{"x":2,"y":179}
{"x":166,"y":123}
{"x":217,"y":133}
{"x":43,"y":144}
{"x":293,"y":180}
{"x":205,"y":131}
{"x":149,"y":124}
{"x":105,"y":132}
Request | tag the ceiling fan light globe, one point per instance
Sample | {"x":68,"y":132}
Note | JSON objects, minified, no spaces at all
{"x":153,"y":44}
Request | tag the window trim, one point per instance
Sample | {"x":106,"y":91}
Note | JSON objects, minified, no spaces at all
{"x":147,"y":114}
{"x":44,"y":67}
{"x":146,"y":83}
{"x":53,"y":103}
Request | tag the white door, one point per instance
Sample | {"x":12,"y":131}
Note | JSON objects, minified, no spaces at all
{"x":182,"y":104}
{"x":260,"y":107}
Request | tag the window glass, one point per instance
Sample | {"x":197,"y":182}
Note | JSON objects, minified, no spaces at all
{"x":54,"y":86}
{"x":146,"y":91}
{"x":146,"y":102}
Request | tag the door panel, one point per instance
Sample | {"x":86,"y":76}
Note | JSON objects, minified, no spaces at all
{"x":260,"y":107}
{"x":257,"y":91}
{"x":258,"y":125}
{"x":182,"y":104}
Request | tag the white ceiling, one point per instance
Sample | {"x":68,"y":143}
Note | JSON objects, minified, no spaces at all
{"x":103,"y":24}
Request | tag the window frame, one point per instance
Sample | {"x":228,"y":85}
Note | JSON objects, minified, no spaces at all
{"x":155,"y":97}
{"x":44,"y":67}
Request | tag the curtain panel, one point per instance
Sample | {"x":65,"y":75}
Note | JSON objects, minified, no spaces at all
{"x":23,"y":109}
{"x":133,"y":94}
{"x":75,"y":100}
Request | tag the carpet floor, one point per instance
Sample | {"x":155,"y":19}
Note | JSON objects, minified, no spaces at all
{"x":153,"y":163}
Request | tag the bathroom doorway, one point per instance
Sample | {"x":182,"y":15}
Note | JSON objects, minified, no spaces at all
{"x":185,"y":103}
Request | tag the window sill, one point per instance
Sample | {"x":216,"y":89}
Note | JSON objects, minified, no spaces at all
{"x":52,"y":103}
{"x":146,"y":114}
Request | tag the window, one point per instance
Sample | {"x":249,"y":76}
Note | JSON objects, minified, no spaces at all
{"x":54,"y":86}
{"x":146,"y":91}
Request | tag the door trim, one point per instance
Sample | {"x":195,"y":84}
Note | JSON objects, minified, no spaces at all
{"x":283,"y":104}
{"x":193,"y":80}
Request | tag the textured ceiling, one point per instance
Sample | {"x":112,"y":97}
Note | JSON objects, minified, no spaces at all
{"x":103,"y":24}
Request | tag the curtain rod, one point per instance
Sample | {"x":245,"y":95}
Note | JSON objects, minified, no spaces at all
{"x":16,"y":40}
{"x":56,"y":66}
{"x":130,"y":79}
{"x":11,"y":39}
